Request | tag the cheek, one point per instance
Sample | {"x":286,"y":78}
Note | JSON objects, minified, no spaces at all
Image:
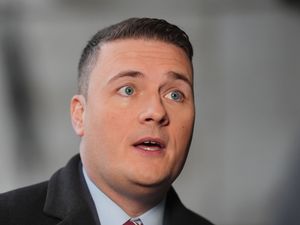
{"x":109,"y":112}
{"x":104,"y":136}
{"x":183,"y":124}
{"x":182,"y":133}
{"x":111,"y":121}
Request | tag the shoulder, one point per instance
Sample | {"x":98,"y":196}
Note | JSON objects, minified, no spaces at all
{"x":25,"y":194}
{"x":23,"y":205}
{"x":24,"y":201}
{"x":48,"y":202}
{"x":191,"y":217}
{"x":184,"y":215}
{"x":176,"y":213}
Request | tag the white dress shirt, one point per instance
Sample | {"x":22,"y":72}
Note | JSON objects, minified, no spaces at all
{"x":110,"y":213}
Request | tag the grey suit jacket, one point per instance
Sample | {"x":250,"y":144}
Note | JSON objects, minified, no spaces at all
{"x":65,"y":199}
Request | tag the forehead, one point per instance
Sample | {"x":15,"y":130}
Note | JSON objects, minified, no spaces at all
{"x":142,"y":45}
{"x":140,"y":52}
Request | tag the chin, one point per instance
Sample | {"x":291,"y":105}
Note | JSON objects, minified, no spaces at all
{"x":154,"y":182}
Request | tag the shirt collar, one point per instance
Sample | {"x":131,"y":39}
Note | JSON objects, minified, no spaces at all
{"x":110,"y":213}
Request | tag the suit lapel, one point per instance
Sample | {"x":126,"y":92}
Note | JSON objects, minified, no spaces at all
{"x":68,"y":197}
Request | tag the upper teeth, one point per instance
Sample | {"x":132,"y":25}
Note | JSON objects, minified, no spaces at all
{"x":150,"y":142}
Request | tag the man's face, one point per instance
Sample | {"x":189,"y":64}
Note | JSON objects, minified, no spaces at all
{"x":137,"y":121}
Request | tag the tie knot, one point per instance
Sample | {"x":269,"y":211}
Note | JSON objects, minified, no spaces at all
{"x":133,"y":222}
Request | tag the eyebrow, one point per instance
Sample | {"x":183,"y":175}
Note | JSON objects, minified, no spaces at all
{"x":178,"y":76}
{"x":126,"y":73}
{"x":136,"y":74}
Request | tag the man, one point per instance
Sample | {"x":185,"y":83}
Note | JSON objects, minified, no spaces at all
{"x":135,"y":115}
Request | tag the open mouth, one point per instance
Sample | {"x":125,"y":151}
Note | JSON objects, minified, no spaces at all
{"x":150,"y":144}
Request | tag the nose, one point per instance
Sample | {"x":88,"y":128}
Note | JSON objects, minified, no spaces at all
{"x":153,"y":112}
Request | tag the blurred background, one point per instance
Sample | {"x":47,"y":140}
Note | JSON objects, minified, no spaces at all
{"x":243,"y":167}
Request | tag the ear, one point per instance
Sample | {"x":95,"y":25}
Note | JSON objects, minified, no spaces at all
{"x":77,"y":109}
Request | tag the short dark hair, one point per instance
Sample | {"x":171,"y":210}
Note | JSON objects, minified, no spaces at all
{"x":135,"y":28}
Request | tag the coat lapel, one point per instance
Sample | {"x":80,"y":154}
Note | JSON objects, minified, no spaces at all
{"x":68,"y":197}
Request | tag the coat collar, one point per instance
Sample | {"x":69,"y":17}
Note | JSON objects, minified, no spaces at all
{"x":68,"y":197}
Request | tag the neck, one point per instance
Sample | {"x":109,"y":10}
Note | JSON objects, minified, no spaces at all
{"x":137,"y":201}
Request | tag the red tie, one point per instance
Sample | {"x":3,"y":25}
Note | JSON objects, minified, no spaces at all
{"x":133,"y":222}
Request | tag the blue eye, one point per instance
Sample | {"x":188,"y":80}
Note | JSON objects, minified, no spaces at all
{"x":126,"y":90}
{"x":175,"y":95}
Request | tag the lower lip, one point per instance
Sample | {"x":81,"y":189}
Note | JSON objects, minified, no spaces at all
{"x":150,"y":152}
